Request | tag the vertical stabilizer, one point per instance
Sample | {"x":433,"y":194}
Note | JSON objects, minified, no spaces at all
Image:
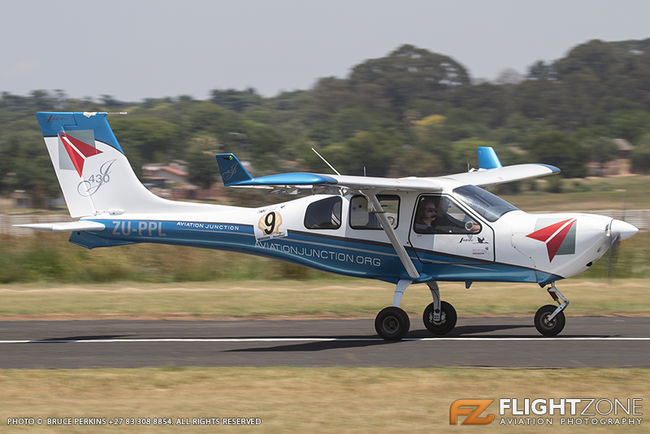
{"x":91,"y":167}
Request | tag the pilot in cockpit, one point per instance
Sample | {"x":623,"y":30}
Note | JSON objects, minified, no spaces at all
{"x":433,"y":217}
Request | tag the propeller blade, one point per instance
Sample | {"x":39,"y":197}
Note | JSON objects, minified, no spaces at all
{"x":612,"y":255}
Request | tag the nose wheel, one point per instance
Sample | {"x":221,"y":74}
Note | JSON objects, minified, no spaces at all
{"x":546,"y":325}
{"x":550,"y":319}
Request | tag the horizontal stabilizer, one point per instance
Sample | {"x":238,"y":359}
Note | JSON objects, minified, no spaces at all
{"x":296,"y":178}
{"x":234,"y":174}
{"x":65,"y":226}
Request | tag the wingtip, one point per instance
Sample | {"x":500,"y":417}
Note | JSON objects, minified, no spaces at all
{"x":553,"y":169}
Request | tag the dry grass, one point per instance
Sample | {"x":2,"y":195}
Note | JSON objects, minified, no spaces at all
{"x":300,"y":399}
{"x":318,"y":299}
{"x":630,"y":192}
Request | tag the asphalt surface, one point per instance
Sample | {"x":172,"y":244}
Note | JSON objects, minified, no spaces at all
{"x":496,"y":342}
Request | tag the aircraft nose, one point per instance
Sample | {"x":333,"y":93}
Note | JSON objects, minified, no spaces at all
{"x":622,"y":229}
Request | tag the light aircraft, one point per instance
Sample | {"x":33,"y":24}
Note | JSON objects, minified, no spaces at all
{"x":403,"y":231}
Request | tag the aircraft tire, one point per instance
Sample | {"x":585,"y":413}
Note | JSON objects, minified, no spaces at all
{"x":549,"y":328}
{"x":447,"y":319}
{"x":392,"y":323}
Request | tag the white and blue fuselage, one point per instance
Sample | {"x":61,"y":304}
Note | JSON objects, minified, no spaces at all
{"x":501,"y":251}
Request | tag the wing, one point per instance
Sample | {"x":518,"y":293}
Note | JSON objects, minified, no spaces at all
{"x":501,"y":175}
{"x":375,"y":183}
{"x":490,"y":172}
{"x":234,"y":174}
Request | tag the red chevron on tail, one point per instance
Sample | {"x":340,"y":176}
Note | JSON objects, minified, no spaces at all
{"x":77,"y":150}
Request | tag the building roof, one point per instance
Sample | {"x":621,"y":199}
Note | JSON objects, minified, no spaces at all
{"x":623,"y":145}
{"x":173,"y":170}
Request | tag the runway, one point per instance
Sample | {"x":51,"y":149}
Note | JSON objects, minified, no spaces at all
{"x":488,"y":342}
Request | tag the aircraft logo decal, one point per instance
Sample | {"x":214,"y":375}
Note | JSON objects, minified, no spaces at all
{"x":229,"y":174}
{"x":76,"y":150}
{"x":88,"y":187}
{"x":559,"y":237}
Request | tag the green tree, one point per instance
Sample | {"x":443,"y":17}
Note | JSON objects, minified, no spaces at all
{"x":412,"y":161}
{"x":205,"y":117}
{"x":236,"y":100}
{"x":332,"y":94}
{"x":375,"y":150}
{"x":595,"y":58}
{"x":25,"y":165}
{"x":542,"y":71}
{"x":201,"y":162}
{"x":409,"y":73}
{"x":151,"y":139}
{"x":641,"y":155}
{"x":561,"y":150}
{"x":629,"y":124}
{"x":602,"y":150}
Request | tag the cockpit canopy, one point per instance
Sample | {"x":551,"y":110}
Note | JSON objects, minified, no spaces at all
{"x":483,"y":202}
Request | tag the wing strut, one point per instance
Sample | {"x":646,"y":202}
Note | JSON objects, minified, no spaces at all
{"x":390,"y":232}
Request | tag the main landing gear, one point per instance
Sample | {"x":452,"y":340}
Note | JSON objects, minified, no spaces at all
{"x":549,"y":319}
{"x":392,"y":323}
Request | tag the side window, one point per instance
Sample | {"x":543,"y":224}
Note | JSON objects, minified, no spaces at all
{"x":360,"y":218}
{"x":324,"y":214}
{"x":440,"y":215}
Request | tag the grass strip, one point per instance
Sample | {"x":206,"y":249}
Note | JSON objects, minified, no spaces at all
{"x":300,"y":399}
{"x":341,"y":298}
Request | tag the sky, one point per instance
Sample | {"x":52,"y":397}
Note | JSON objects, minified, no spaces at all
{"x":137,"y":49}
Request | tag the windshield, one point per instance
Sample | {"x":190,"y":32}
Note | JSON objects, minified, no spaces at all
{"x":483,"y":202}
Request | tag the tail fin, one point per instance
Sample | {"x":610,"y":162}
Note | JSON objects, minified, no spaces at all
{"x":91,"y":167}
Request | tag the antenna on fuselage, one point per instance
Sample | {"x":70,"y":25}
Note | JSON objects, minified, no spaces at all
{"x":326,"y":162}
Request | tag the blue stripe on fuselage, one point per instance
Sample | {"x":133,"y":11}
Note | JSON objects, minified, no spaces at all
{"x":352,"y":257}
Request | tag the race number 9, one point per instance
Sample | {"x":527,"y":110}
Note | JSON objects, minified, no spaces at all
{"x":270,"y":222}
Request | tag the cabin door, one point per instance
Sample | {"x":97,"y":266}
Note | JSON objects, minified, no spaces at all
{"x":441,"y":225}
